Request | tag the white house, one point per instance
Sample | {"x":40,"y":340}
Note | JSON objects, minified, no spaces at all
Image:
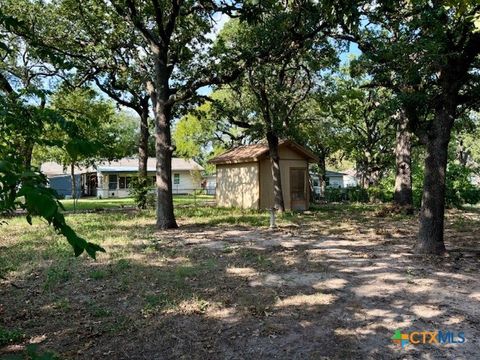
{"x":350,"y":178}
{"x":335,"y":179}
{"x":210,"y":183}
{"x":112,"y":179}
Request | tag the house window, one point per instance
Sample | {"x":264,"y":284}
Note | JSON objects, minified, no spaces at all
{"x":176,"y":179}
{"x":124,"y":182}
{"x":112,"y":182}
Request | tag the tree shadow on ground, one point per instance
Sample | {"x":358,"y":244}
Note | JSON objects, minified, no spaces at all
{"x":244,"y":293}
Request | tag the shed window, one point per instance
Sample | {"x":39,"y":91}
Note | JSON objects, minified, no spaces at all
{"x":176,"y":179}
{"x":112,"y":182}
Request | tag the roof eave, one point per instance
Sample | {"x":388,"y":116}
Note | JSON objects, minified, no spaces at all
{"x":237,"y":161}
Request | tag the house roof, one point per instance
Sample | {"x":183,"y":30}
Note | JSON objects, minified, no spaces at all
{"x":255,"y":152}
{"x":333,"y":173}
{"x":131,"y":165}
{"x":329,"y":173}
{"x":351,"y":172}
{"x":52,"y":168}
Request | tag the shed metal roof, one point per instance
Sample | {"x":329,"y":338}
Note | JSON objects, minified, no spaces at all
{"x":255,"y":152}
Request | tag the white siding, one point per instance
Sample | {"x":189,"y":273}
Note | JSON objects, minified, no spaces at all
{"x":335,"y":181}
{"x":188,"y":183}
{"x":349,"y":181}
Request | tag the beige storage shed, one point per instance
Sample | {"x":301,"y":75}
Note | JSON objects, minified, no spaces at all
{"x":244,"y":176}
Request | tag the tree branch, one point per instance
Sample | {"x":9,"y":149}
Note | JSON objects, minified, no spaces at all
{"x":5,"y":85}
{"x":133,"y":17}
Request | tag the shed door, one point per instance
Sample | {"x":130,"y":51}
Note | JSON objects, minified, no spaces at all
{"x":298,"y":188}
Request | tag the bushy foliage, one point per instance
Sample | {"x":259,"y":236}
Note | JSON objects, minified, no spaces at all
{"x":23,"y":187}
{"x":353,"y":194}
{"x":383,"y":191}
{"x":140,"y":189}
{"x":27,"y":190}
{"x":460,"y":190}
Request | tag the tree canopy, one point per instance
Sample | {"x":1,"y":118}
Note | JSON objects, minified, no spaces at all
{"x":211,"y":75}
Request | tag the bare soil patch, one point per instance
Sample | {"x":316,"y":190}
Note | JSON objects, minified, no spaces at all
{"x":329,"y":286}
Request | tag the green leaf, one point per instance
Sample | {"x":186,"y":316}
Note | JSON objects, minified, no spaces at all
{"x":92,"y":249}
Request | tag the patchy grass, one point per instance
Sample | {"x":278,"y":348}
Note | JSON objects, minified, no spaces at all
{"x":98,"y":274}
{"x":118,"y":203}
{"x":96,"y":204}
{"x":10,"y":336}
{"x":334,"y":283}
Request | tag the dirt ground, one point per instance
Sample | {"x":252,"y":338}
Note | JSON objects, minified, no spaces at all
{"x":324,"y":287}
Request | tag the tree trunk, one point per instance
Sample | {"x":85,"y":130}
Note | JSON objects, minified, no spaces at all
{"x":27,"y":152}
{"x":74,"y":185}
{"x":362,"y":170}
{"x":430,"y":235}
{"x":462,"y":154}
{"x":403,"y":155}
{"x":143,"y":143}
{"x":163,"y":147}
{"x":272,"y":140}
{"x":322,"y":173}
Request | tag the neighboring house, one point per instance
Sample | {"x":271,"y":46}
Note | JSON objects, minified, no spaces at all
{"x":210,"y":184}
{"x":60,"y":179}
{"x":244,"y":176}
{"x":350,"y":178}
{"x":112,"y":179}
{"x":335,"y":179}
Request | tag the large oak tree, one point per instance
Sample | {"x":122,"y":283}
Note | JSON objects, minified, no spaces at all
{"x":168,"y":42}
{"x":428,"y":53}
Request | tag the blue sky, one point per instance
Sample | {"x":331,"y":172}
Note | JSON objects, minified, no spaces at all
{"x":353,"y":51}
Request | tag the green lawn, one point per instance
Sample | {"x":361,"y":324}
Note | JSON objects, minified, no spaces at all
{"x":113,"y":203}
{"x":224,"y":278}
{"x":93,"y":203}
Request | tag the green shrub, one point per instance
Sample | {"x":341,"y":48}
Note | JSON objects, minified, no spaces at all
{"x":459,"y":189}
{"x":383,"y":191}
{"x":357,"y":194}
{"x":334,"y":195}
{"x":353,"y":194}
{"x":417,"y":183}
{"x":151,"y":199}
{"x":139,"y":189}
